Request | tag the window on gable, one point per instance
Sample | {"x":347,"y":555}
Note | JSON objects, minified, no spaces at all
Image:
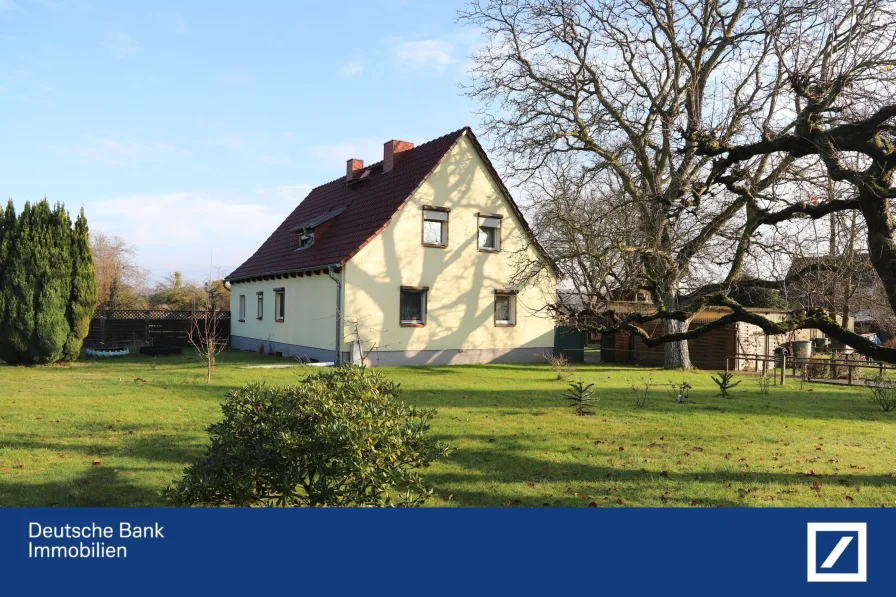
{"x":413,"y":306}
{"x":260,"y":296}
{"x":279,"y":304}
{"x":489,"y":232}
{"x":435,"y":227}
{"x":242,"y":307}
{"x":505,"y":308}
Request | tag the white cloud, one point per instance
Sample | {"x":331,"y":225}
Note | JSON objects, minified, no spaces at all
{"x":434,"y":54}
{"x":122,"y":44}
{"x":178,"y":231}
{"x":254,"y":148}
{"x":352,"y":68}
{"x":337,"y":153}
{"x":109,"y":150}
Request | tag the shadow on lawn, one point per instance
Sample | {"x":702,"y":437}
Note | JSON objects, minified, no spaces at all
{"x":639,"y":485}
{"x":110,"y":483}
{"x":142,"y":442}
{"x":95,"y":487}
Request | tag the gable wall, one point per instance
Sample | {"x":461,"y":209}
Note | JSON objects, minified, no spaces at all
{"x":460,"y":316}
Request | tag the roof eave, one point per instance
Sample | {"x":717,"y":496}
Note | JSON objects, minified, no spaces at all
{"x":301,"y":270}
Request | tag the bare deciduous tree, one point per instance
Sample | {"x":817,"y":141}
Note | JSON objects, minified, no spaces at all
{"x":206,"y":334}
{"x":698,"y":124}
{"x":121,"y":283}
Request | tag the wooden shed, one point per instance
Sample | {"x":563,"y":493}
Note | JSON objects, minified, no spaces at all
{"x":708,"y":351}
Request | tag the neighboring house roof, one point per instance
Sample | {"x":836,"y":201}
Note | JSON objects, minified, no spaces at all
{"x":356,"y":212}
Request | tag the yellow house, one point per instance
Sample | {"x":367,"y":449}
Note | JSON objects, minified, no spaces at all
{"x":415,"y":260}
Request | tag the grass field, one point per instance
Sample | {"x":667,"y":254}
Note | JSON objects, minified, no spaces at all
{"x":115,"y":433}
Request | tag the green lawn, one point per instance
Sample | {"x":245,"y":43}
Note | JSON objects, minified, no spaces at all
{"x":114,"y":433}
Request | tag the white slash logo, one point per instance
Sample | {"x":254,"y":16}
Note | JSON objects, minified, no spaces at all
{"x":837,"y":567}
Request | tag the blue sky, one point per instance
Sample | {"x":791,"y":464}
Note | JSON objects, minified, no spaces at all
{"x":193,"y":128}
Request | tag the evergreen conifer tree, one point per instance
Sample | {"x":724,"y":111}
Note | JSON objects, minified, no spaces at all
{"x":47,"y":284}
{"x":53,"y":282}
{"x":7,"y":239}
{"x":17,"y":328}
{"x":83,"y":289}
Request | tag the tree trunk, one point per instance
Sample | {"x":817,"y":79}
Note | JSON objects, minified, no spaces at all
{"x":677,"y":354}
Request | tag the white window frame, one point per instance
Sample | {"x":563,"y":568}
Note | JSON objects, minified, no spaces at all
{"x":432,"y":214}
{"x":242,"y":307}
{"x":279,"y":304}
{"x":484,"y":220}
{"x":260,"y":305}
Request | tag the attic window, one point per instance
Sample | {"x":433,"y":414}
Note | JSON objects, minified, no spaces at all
{"x":306,"y":238}
{"x":305,"y":230}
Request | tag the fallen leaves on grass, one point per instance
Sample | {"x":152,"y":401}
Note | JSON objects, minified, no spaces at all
{"x":97,"y":462}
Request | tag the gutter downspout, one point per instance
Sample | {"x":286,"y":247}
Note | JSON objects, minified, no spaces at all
{"x":338,"y":314}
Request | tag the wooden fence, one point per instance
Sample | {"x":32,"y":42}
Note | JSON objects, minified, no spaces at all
{"x":148,"y":327}
{"x":842,"y":367}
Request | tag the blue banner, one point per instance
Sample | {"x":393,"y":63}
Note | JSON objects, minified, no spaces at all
{"x":447,"y":552}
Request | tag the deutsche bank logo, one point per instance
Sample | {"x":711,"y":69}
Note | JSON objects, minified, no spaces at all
{"x":837,"y":551}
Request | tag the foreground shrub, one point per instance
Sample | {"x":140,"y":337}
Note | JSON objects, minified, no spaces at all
{"x":338,"y":438}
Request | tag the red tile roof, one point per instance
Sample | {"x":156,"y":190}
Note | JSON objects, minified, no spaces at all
{"x":369,"y":205}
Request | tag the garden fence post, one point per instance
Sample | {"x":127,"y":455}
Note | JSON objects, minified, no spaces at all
{"x":849,"y":365}
{"x":103,"y":327}
{"x":146,"y":328}
{"x":783,"y":367}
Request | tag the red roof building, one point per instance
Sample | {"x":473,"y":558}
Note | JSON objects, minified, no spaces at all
{"x":374,"y":246}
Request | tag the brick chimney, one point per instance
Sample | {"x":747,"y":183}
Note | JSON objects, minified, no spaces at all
{"x":393,"y":152}
{"x":353,"y":169}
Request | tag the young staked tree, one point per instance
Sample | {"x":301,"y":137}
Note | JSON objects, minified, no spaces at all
{"x":697,"y":123}
{"x":206,"y":334}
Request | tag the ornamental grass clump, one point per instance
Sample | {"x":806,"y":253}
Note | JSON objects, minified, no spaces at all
{"x":339,"y":437}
